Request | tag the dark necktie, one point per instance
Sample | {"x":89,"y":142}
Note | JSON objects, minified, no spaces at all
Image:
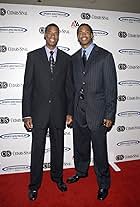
{"x":51,"y":60}
{"x":84,"y":58}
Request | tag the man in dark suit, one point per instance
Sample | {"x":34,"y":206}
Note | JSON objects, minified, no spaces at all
{"x":47,"y":104}
{"x":94,"y":108}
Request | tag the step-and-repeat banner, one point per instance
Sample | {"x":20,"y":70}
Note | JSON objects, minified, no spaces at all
{"x":21,"y":30}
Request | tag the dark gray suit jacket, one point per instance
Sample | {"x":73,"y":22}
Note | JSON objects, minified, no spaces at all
{"x":101,"y":86}
{"x":39,"y":88}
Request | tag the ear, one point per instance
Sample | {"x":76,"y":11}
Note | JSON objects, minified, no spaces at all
{"x":92,"y":36}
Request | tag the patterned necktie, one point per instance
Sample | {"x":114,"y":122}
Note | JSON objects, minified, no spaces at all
{"x":84,"y":58}
{"x":51,"y":60}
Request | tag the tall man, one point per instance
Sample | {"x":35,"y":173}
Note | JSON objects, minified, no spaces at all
{"x":47,"y":103}
{"x":94,"y":108}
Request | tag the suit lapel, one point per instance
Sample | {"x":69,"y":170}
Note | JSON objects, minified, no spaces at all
{"x":92,"y":57}
{"x":44,"y":57}
{"x":80,"y":63}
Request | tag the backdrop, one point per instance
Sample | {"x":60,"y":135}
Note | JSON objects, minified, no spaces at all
{"x":21,"y":30}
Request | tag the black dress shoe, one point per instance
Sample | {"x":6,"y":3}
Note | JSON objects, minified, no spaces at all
{"x":102,"y":194}
{"x":32,"y":195}
{"x":62,"y":186}
{"x":75,"y":178}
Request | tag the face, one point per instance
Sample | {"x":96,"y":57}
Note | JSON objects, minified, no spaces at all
{"x":52,"y":37}
{"x":84,"y":36}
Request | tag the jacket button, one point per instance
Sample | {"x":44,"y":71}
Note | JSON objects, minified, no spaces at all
{"x":50,"y":101}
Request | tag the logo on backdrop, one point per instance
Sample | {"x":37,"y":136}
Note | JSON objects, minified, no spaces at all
{"x":4,"y":48}
{"x":88,"y":16}
{"x":128,"y":143}
{"x":65,"y":49}
{"x":127,"y":128}
{"x":121,"y":128}
{"x":129,"y":83}
{"x":133,"y":98}
{"x":119,"y":157}
{"x":129,"y":51}
{"x":54,"y":14}
{"x":12,"y":30}
{"x":15,"y":136}
{"x":4,"y":85}
{"x":129,"y":19}
{"x":75,"y":24}
{"x":121,"y":98}
{"x":10,"y":101}
{"x":46,"y":165}
{"x":6,"y":153}
{"x":62,"y":31}
{"x":16,"y":168}
{"x":67,"y":164}
{"x":131,"y":156}
{"x":42,"y":30}
{"x":100,"y":33}
{"x":66,"y":149}
{"x":3,"y":12}
{"x":123,"y":34}
{"x":67,"y":133}
{"x":11,"y":66}
{"x":128,"y":98}
{"x":129,"y":113}
{"x":123,"y":66}
{"x":4,"y":120}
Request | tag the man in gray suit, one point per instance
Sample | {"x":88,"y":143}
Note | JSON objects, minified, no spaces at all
{"x":47,"y":103}
{"x":94,"y":108}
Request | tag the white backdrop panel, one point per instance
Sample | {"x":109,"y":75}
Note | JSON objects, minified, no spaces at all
{"x":21,"y":30}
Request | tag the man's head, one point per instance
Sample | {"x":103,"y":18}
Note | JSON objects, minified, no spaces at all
{"x":85,"y":35}
{"x":51,"y":35}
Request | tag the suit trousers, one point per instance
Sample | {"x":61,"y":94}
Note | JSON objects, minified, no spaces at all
{"x":83,"y":137}
{"x":38,"y":151}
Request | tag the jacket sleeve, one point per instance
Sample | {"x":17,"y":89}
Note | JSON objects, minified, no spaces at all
{"x":27,"y":87}
{"x":110,"y":84}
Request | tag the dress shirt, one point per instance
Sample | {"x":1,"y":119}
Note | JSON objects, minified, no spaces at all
{"x":48,"y":53}
{"x":88,"y":50}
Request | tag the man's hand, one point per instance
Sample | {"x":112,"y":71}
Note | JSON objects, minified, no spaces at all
{"x":107,"y":123}
{"x":28,"y":123}
{"x":69,"y":121}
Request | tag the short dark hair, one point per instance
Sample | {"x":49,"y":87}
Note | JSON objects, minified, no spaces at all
{"x":51,"y":25}
{"x":84,"y":24}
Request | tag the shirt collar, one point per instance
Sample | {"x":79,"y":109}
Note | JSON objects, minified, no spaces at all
{"x":54,"y":52}
{"x":88,"y":49}
{"x":48,"y":49}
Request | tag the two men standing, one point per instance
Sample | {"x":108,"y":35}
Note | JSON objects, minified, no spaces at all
{"x":48,"y":103}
